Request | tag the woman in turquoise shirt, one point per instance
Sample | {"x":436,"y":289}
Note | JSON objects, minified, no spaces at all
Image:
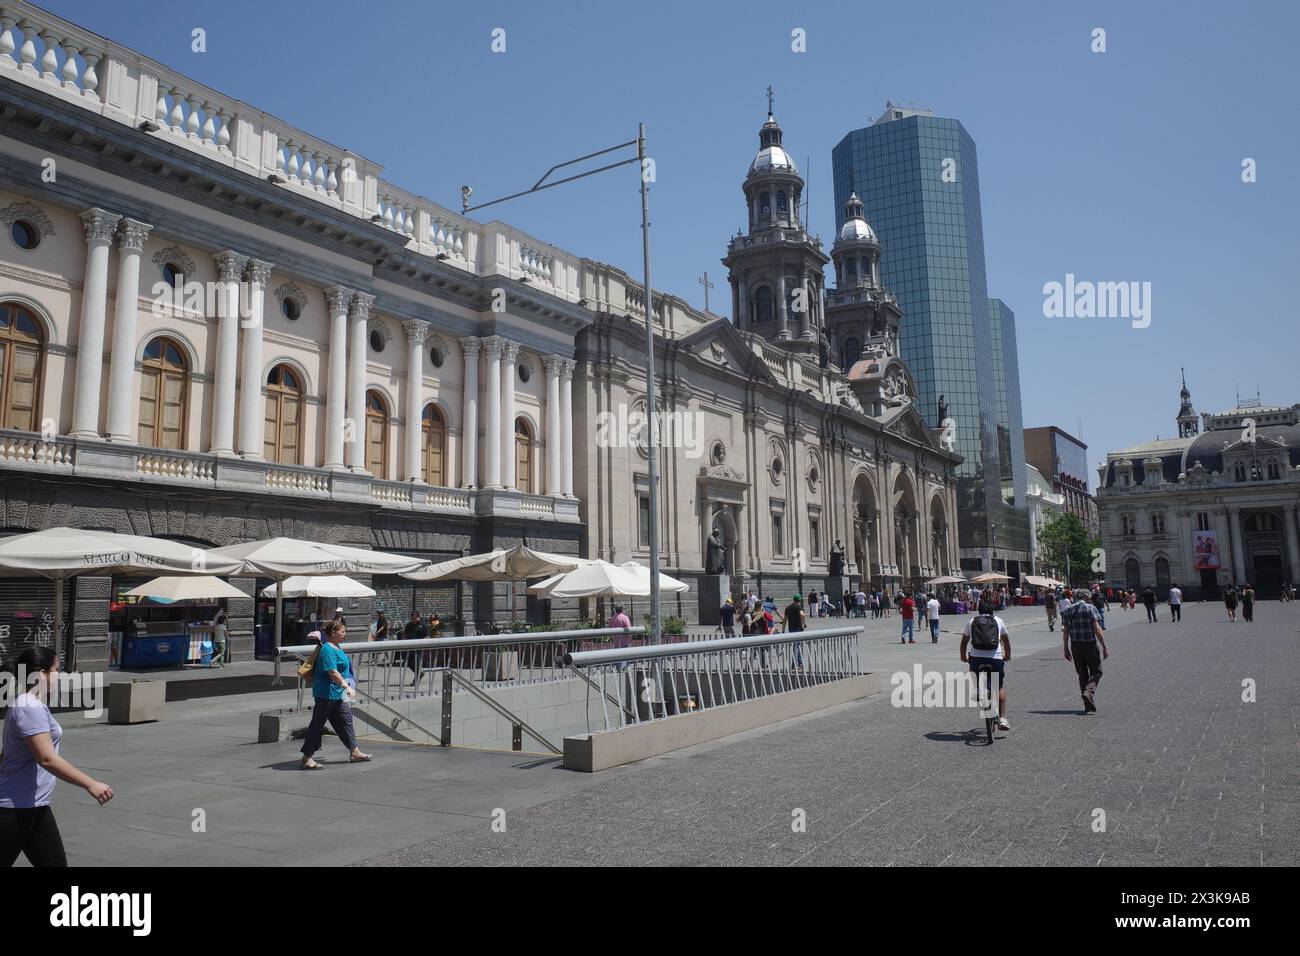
{"x":331,"y":691}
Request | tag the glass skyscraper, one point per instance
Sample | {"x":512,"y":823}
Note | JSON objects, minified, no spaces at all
{"x":918,"y":179}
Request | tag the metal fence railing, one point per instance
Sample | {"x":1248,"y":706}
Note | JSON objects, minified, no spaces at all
{"x":657,"y":681}
{"x":394,"y":670}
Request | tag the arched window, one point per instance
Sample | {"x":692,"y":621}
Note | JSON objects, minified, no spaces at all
{"x":1132,"y":573}
{"x":433,"y":430}
{"x":853,"y":268}
{"x":762,"y":305}
{"x":282,"y":432}
{"x":376,"y":435}
{"x":162,"y":395}
{"x":866,"y":269}
{"x":21,"y":347}
{"x":765,"y":204}
{"x":523,"y":456}
{"x":852,"y":349}
{"x":780,"y":202}
{"x":1162,"y":575}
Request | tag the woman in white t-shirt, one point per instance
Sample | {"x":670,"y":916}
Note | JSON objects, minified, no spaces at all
{"x":996,"y":656}
{"x":29,"y":765}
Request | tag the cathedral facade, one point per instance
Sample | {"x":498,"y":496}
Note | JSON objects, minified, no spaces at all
{"x":217,"y":327}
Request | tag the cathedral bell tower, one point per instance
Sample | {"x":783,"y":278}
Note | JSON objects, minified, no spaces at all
{"x":1187,"y":418}
{"x":775,"y":268}
{"x":861,"y":317}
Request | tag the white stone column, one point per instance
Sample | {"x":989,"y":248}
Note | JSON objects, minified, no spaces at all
{"x":492,"y":348}
{"x":1292,"y":544}
{"x":553,"y":440}
{"x":566,"y":428}
{"x":469,"y":349}
{"x":416,"y":332}
{"x":354,"y":427}
{"x":509,"y":355}
{"x":122,"y":412}
{"x":252,"y":406}
{"x":225,"y":369}
{"x":98,"y":226}
{"x":1238,"y":550}
{"x":337,"y":298}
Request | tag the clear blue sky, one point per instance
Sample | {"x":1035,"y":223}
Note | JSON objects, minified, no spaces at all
{"x":1116,"y":166}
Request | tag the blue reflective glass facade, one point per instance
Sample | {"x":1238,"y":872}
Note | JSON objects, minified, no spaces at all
{"x":918,"y":179}
{"x":1006,"y":377}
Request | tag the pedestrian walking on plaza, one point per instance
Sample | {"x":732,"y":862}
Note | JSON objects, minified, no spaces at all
{"x":381,"y":627}
{"x":860,"y":603}
{"x":30,"y":765}
{"x":415,"y":630}
{"x":1149,"y":599}
{"x":1085,"y":646}
{"x":932,"y":612}
{"x":1049,"y":602}
{"x":331,"y":690}
{"x":727,"y":613}
{"x":1099,"y":602}
{"x":1248,"y":603}
{"x":219,"y":632}
{"x":795,"y":621}
{"x":1175,"y":603}
{"x":985,"y":642}
{"x":1132,"y":599}
{"x":907,"y":610}
{"x":1230,"y":602}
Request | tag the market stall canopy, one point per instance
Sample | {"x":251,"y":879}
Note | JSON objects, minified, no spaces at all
{"x":666,"y":582}
{"x":946,"y":579}
{"x":67,"y":552}
{"x":594,"y":579}
{"x":989,"y":577}
{"x":1041,"y":582}
{"x":186,"y":587}
{"x":281,"y":558}
{"x":506,"y":564}
{"x":321,"y":586}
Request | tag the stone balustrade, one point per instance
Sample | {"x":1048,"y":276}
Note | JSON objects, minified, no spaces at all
{"x":23,"y":448}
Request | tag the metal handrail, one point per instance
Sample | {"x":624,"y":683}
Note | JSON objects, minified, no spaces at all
{"x":495,"y":705}
{"x":622,"y":655}
{"x":482,"y":640}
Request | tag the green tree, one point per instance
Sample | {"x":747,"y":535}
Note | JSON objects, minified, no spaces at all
{"x":1062,"y":536}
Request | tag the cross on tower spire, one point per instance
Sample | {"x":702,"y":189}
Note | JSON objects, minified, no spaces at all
{"x":770,"y":97}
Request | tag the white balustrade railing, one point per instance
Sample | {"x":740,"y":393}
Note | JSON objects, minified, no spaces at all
{"x":177,"y":466}
{"x":395,"y":492}
{"x":302,"y":481}
{"x":40,"y":452}
{"x":537,"y":504}
{"x":447,"y":499}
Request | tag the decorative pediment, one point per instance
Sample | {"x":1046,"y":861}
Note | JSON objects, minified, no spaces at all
{"x":722,"y":483}
{"x":717,"y":343}
{"x":1262,"y":444}
{"x":910,"y":425}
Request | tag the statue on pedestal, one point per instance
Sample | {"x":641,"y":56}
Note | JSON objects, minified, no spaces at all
{"x":943,"y":410}
{"x":716,"y":562}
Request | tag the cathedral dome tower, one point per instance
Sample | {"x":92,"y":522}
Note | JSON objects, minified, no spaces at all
{"x":1187,"y":418}
{"x":775,"y":267}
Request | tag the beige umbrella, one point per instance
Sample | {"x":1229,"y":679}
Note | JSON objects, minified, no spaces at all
{"x":186,"y":587}
{"x":595,"y":579}
{"x":1042,"y":582}
{"x":320,"y":586}
{"x":989,"y":577}
{"x":505,"y":564}
{"x":62,"y":553}
{"x":666,"y":582}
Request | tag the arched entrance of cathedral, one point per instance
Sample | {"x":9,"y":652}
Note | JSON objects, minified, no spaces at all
{"x":938,"y":527}
{"x":907,"y":557}
{"x":866,"y":515}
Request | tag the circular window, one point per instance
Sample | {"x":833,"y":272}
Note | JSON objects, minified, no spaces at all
{"x":436,"y":357}
{"x":376,"y":341}
{"x":813,"y":476}
{"x":291,"y":309}
{"x":172,"y":275}
{"x":25,"y":234}
{"x":777,"y":468}
{"x":525,"y":372}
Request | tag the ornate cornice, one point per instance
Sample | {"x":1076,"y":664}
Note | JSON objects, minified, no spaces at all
{"x":39,"y":278}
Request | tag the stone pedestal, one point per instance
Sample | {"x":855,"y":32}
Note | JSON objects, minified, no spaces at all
{"x":136,"y":702}
{"x":714,"y":589}
{"x":835,"y":587}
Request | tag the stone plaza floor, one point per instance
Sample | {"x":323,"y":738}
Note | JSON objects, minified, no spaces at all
{"x":1185,"y":772}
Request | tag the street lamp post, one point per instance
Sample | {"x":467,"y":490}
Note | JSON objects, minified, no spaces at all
{"x":652,"y":426}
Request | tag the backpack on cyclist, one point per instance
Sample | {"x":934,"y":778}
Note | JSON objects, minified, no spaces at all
{"x":984,"y":633}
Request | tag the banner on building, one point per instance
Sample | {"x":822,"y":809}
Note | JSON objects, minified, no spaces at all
{"x":1205,"y":548}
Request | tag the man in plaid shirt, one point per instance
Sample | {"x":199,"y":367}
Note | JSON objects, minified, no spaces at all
{"x":1084,"y":644}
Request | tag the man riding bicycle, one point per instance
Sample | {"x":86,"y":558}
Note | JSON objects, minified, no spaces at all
{"x":989,"y":648}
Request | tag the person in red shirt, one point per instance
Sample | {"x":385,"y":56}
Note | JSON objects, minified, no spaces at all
{"x":908,"y":610}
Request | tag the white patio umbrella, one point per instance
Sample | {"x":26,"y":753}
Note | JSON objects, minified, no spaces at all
{"x":320,"y":586}
{"x":62,"y":553}
{"x":989,"y":577}
{"x":946,"y":579}
{"x":1041,"y":582}
{"x":505,"y":564}
{"x":187,"y":587}
{"x":281,"y":558}
{"x":666,"y":582}
{"x":595,"y":579}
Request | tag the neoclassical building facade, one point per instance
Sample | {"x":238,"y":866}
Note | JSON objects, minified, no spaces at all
{"x":1218,"y":505}
{"x":216,"y":327}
